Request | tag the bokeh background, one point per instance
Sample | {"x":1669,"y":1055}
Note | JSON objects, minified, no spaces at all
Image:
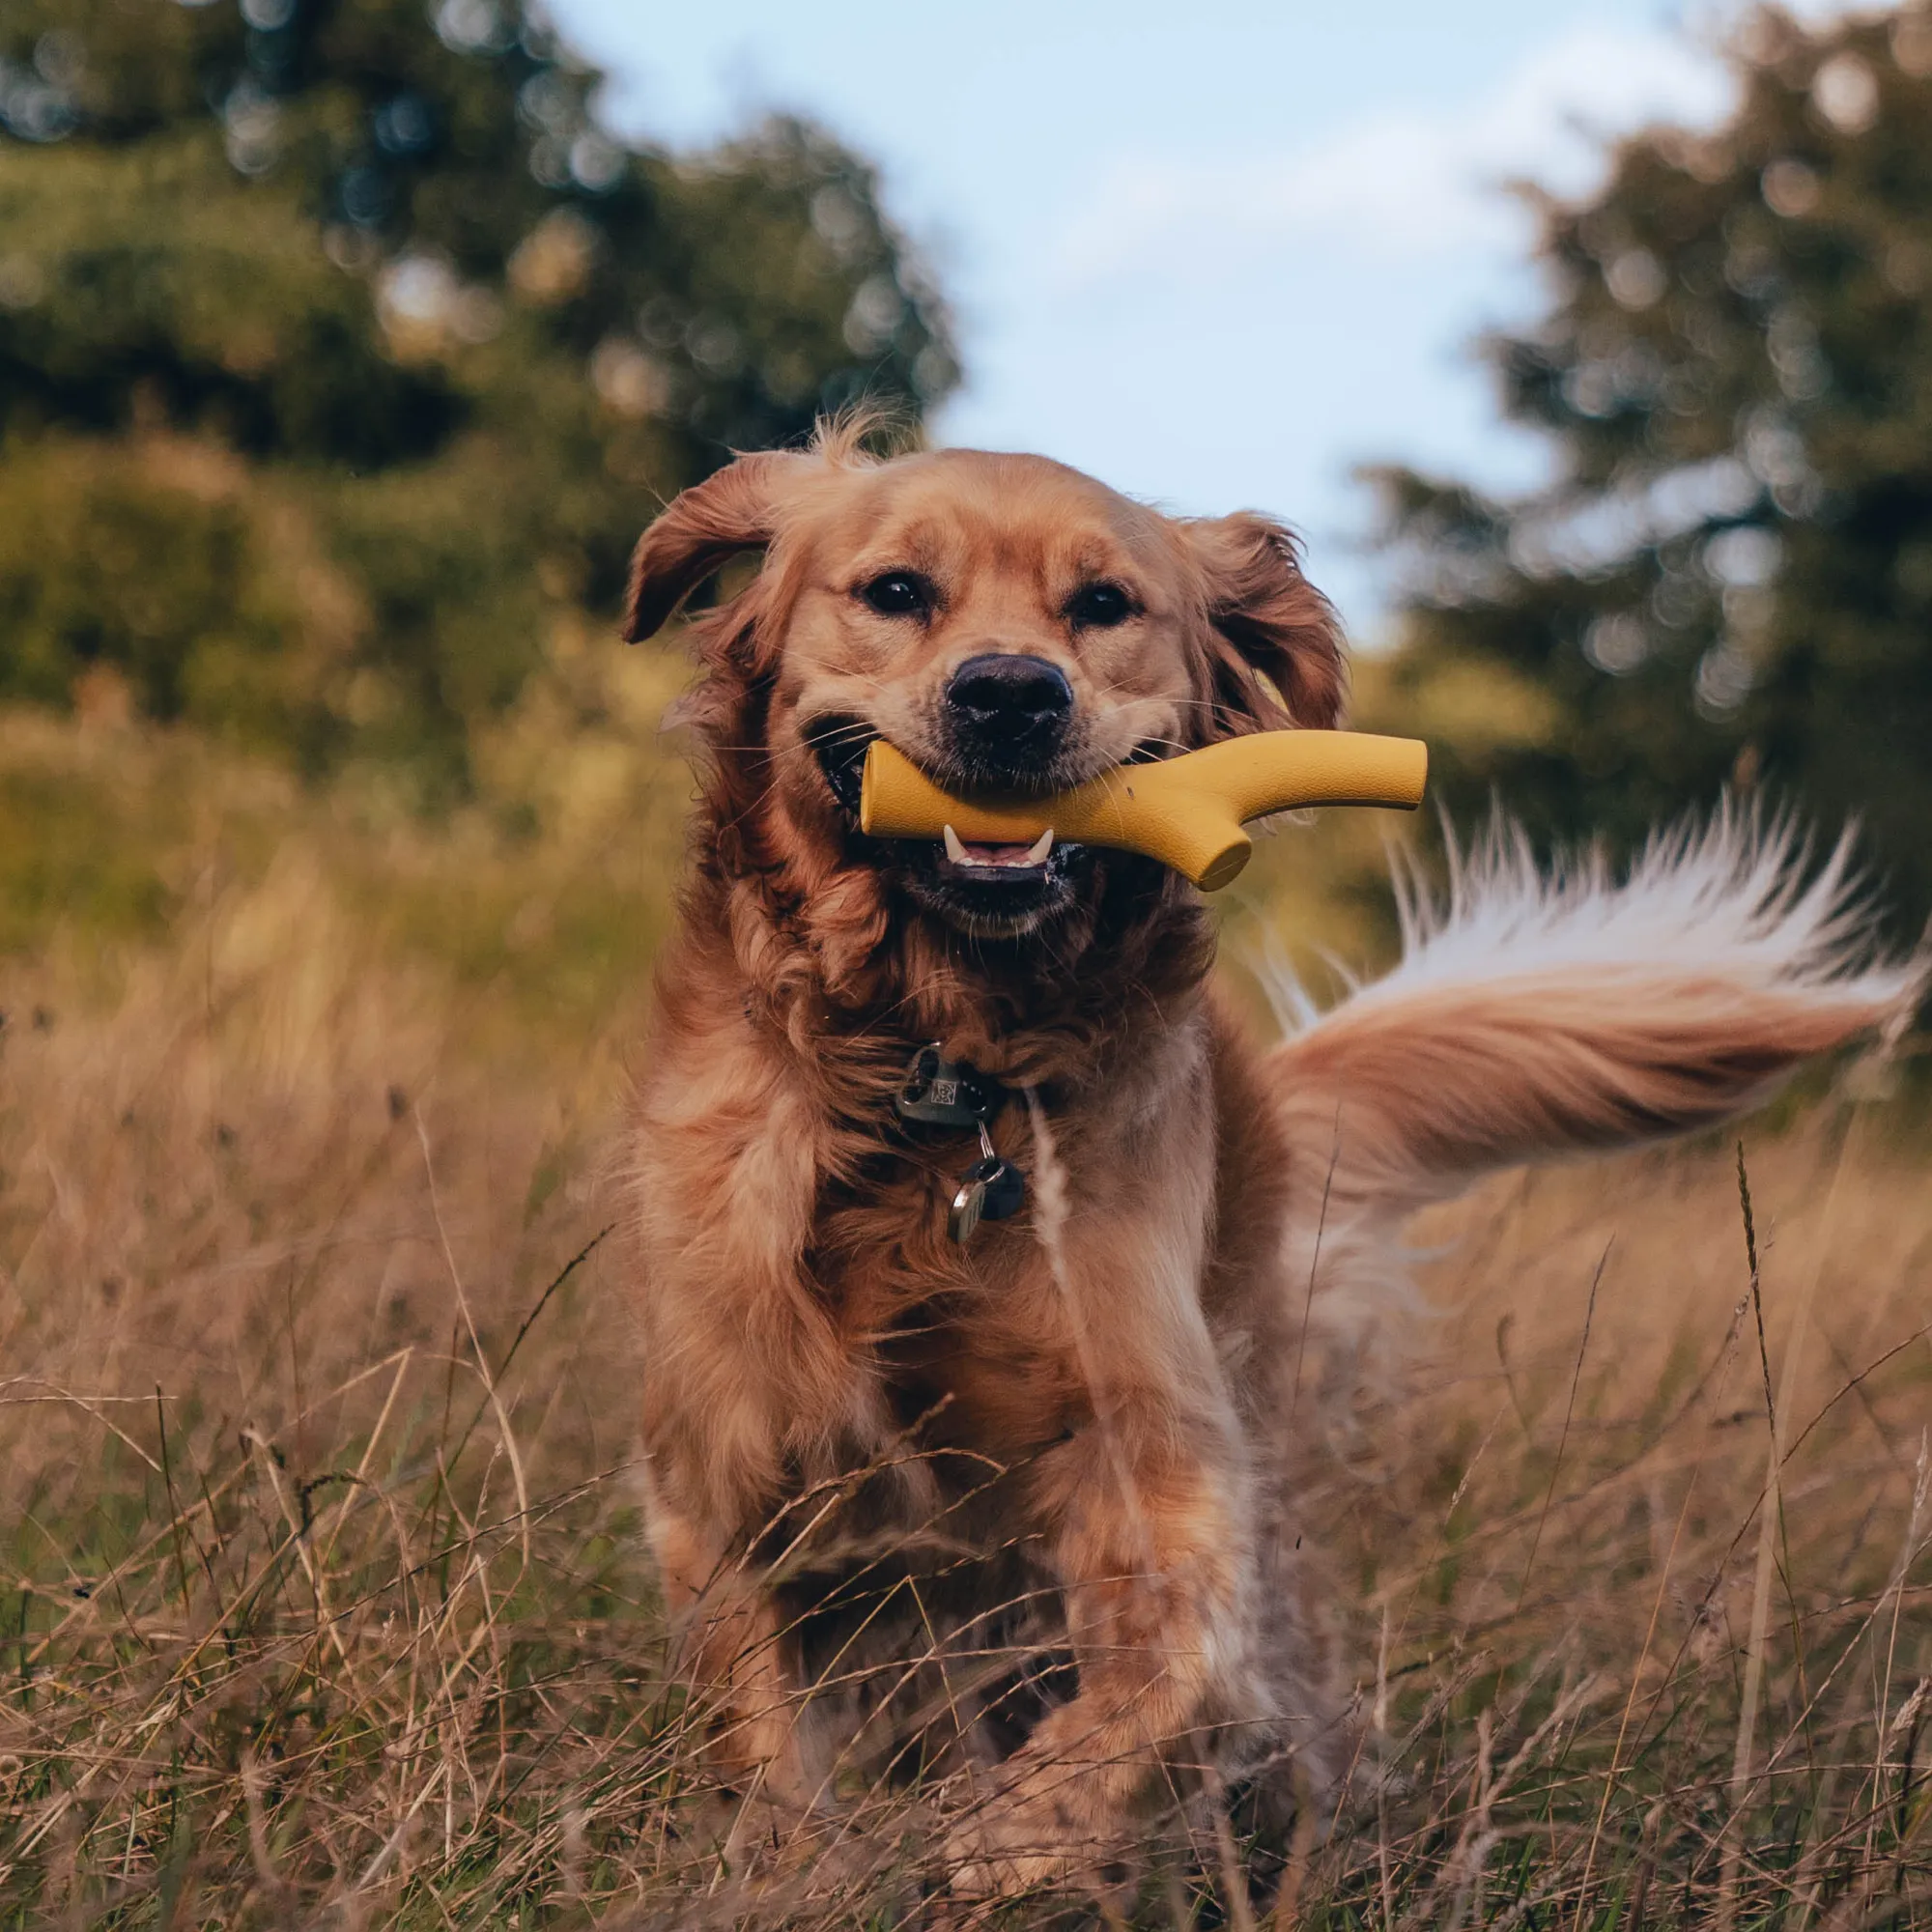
{"x":346,"y":346}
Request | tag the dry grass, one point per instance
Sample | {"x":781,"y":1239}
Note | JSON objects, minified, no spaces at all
{"x":1563,"y":1533}
{"x":324,"y":1601}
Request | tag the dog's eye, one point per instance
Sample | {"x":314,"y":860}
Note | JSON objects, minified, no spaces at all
{"x":899,"y":593}
{"x":1099,"y":606}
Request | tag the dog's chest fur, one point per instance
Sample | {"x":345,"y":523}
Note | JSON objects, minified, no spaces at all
{"x":828,"y":1226}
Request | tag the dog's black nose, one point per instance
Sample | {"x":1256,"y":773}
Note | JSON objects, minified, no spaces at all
{"x":1009,"y":712}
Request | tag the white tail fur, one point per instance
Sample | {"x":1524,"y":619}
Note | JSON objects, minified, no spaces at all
{"x":1537,"y":1014}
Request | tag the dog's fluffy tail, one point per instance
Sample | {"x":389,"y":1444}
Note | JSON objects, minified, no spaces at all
{"x":1538,"y":1013}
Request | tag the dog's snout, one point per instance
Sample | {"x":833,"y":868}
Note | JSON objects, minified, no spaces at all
{"x":1010,"y":712}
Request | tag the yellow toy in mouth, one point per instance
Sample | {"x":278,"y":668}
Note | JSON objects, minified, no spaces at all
{"x":1187,"y":812}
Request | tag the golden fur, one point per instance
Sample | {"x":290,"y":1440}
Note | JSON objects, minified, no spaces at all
{"x":1032,"y":1507}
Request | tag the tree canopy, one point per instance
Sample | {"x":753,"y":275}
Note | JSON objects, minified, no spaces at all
{"x":340,"y":340}
{"x":1729,"y":580}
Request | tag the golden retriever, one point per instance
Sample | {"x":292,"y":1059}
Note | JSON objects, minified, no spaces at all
{"x":1030,"y":1505}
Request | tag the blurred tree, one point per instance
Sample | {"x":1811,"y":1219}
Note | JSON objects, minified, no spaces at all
{"x":365,"y":292}
{"x":1730,"y":578}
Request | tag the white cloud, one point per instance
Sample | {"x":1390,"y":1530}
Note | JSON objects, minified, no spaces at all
{"x":1403,"y":183}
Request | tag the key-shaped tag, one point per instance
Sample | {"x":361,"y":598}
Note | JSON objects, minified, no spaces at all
{"x":941,"y":1092}
{"x":991,"y":1189}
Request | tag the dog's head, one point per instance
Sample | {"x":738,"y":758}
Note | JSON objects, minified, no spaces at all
{"x":1007,"y":623}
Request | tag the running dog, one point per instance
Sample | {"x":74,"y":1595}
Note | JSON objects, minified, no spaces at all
{"x":1030,"y":1504}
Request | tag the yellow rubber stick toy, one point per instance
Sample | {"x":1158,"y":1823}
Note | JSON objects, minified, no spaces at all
{"x":1187,"y":812}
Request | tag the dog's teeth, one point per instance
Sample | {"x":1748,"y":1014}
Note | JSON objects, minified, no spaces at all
{"x":955,"y":851}
{"x":1038,"y":851}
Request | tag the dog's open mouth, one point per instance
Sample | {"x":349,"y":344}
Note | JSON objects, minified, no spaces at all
{"x":997,"y":866}
{"x":990,"y":889}
{"x":993,"y":889}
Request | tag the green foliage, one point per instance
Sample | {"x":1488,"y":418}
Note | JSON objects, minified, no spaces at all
{"x":101,"y":565}
{"x":1730,"y":578}
{"x":443,"y":344}
{"x":159,"y":286}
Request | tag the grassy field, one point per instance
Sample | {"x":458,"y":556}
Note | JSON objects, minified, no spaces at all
{"x":324,"y":1602}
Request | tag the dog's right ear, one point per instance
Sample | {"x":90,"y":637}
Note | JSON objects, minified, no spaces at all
{"x":699,"y":531}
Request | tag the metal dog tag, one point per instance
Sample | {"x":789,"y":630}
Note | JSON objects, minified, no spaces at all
{"x":991,"y":1189}
{"x":941,"y":1092}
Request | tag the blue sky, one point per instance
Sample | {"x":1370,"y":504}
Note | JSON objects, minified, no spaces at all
{"x":1218,"y":254}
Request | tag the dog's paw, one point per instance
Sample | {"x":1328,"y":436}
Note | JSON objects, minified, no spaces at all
{"x":1036,"y":1833}
{"x":1003,"y":1862}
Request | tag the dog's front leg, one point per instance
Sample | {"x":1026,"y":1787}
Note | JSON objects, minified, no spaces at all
{"x":746,"y":1378}
{"x":735,"y":1652}
{"x":721,"y":1420}
{"x":1151,"y":1541}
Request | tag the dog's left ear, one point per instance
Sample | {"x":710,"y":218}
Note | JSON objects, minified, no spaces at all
{"x":1267,"y":622}
{"x":702,"y":529}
